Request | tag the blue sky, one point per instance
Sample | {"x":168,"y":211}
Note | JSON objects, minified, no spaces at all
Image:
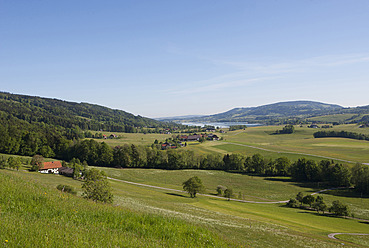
{"x":168,"y":58}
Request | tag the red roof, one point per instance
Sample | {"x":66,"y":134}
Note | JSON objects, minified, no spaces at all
{"x":51,"y":165}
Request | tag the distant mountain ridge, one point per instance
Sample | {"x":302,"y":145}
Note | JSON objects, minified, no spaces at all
{"x":277,"y":111}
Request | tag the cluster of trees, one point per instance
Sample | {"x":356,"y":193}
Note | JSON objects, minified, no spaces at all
{"x":11,"y":162}
{"x":225,"y":191}
{"x":318,"y":204}
{"x":305,"y":170}
{"x":341,"y":134}
{"x":286,"y":129}
{"x":237,"y":127}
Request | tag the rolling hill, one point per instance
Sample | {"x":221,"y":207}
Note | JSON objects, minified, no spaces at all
{"x":276,"y":112}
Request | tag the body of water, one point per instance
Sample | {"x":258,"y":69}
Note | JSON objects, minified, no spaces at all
{"x":219,"y":124}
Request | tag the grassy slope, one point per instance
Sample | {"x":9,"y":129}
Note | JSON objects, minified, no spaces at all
{"x":252,"y":225}
{"x":34,"y":214}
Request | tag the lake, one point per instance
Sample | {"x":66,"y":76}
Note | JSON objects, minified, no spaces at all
{"x":219,"y":124}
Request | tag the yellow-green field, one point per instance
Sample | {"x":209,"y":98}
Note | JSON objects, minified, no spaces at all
{"x":301,"y":143}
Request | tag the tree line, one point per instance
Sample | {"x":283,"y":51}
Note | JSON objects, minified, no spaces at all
{"x":302,"y":170}
{"x":317,"y":203}
{"x":341,"y":134}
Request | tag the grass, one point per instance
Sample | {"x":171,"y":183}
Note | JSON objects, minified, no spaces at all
{"x":253,"y":225}
{"x":302,"y":141}
{"x":360,"y":239}
{"x":36,"y":215}
{"x":252,"y":188}
{"x":338,"y":118}
{"x":164,"y":218}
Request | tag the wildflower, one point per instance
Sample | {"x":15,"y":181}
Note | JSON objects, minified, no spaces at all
{"x":6,"y":241}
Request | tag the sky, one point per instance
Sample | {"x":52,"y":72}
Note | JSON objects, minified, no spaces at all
{"x":173,"y":58}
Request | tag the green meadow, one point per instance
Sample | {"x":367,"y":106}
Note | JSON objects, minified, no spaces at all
{"x":299,"y":144}
{"x":165,"y":218}
{"x":34,"y":213}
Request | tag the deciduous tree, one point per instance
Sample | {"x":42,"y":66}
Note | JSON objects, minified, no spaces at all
{"x":193,"y":186}
{"x":96,"y":186}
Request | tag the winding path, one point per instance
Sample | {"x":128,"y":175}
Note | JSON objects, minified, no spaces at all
{"x":213,"y":196}
{"x":332,"y":235}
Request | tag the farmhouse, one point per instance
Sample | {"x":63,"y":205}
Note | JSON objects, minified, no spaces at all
{"x":51,"y":167}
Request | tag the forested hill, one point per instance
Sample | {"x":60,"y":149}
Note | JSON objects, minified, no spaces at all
{"x":274,"y":112}
{"x":34,"y":125}
{"x":54,"y":112}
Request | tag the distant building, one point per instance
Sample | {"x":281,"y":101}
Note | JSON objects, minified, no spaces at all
{"x":112,"y":136}
{"x":194,"y":137}
{"x":313,"y":126}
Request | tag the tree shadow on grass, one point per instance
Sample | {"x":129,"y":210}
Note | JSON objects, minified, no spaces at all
{"x":174,"y":194}
{"x":279,"y":179}
{"x":351,"y":193}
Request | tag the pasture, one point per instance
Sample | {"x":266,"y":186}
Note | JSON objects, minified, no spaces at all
{"x":299,"y":144}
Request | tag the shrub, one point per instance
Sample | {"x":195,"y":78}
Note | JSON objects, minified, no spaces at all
{"x":66,"y":188}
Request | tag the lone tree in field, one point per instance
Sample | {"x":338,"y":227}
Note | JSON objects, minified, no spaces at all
{"x":193,"y":186}
{"x":36,"y":162}
{"x":96,"y":187}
